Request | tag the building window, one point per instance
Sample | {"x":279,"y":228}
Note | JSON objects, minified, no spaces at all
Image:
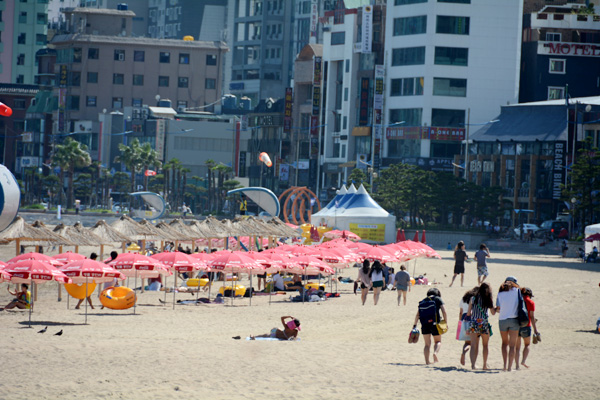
{"x":90,"y":101}
{"x":210,"y":83}
{"x":164,"y":57}
{"x":408,"y":56}
{"x":117,"y":102}
{"x":338,"y":38}
{"x":138,"y":80}
{"x":75,"y":78}
{"x":119,"y":55}
{"x":42,"y":19}
{"x":93,"y":53}
{"x":410,"y":25}
{"x":181,"y":104}
{"x":136,"y":102}
{"x":77,"y":54}
{"x":449,"y":87}
{"x":139,"y":56}
{"x":163,"y":81}
{"x":21,"y":59}
{"x":20,"y":79}
{"x":557,"y":66}
{"x":22,"y":38}
{"x":73,"y":103}
{"x":553,"y":37}
{"x":448,"y":118}
{"x":118,"y":79}
{"x":211,"y":59}
{"x":184,"y":58}
{"x":92,"y":77}
{"x":40,"y":39}
{"x":407,"y":87}
{"x":23,"y":17}
{"x":410,"y":116}
{"x":404,"y":2}
{"x":452,"y":25}
{"x":452,"y":56}
{"x":183,"y":82}
{"x":555,"y":92}
{"x":19,"y":104}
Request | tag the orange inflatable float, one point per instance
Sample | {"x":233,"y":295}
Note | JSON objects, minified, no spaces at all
{"x":117,"y":298}
{"x":78,"y":290}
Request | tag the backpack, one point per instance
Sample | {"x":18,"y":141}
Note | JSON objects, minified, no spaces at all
{"x":427,"y":311}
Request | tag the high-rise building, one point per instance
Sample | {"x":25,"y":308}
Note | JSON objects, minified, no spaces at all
{"x":202,"y":19}
{"x":260,"y":37}
{"x":23,"y":29}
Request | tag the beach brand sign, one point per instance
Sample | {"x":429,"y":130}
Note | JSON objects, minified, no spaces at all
{"x":558,"y":169}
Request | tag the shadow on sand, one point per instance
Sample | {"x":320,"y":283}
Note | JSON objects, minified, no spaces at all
{"x":446,"y":369}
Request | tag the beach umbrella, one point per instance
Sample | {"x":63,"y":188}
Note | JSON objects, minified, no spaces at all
{"x":82,"y":271}
{"x":33,"y":271}
{"x":35,"y":256}
{"x":180,"y":262}
{"x":107,"y":235}
{"x":134,"y":264}
{"x":69,"y":256}
{"x":309,"y":265}
{"x":4,"y":276}
{"x":234,"y":262}
{"x":301,"y":250}
{"x":206,"y":258}
{"x":592,"y":238}
{"x":336,"y":233}
{"x":423,"y":240}
{"x":268,"y":265}
{"x":416,"y":238}
{"x":19,"y":231}
{"x":78,"y":235}
{"x":377,"y":253}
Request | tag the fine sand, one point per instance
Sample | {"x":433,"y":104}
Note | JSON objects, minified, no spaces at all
{"x":346,"y":350}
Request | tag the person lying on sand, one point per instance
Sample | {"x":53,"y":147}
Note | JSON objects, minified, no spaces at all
{"x":289,"y":332}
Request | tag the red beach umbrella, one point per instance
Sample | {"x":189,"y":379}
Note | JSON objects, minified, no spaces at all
{"x":377,"y":253}
{"x":234,"y":262}
{"x":336,"y":233}
{"x":69,"y":256}
{"x":35,"y":256}
{"x":180,"y":262}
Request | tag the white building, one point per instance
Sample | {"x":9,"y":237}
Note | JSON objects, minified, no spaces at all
{"x":449,"y":64}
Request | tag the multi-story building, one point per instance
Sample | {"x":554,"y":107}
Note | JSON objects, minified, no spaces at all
{"x":102,"y":69}
{"x":139,"y":26}
{"x":561,"y":53}
{"x":23,"y":28}
{"x":449,"y":64}
{"x":18,"y":146}
{"x":202,"y":19}
{"x":260,"y":37}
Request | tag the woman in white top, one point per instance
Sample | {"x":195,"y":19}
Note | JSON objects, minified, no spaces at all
{"x":507,"y":305}
{"x":377,"y":280}
{"x":365,"y":281}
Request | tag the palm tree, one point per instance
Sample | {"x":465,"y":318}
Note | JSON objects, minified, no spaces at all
{"x":149,"y":158}
{"x":222,"y":175}
{"x":131,"y":157}
{"x":68,"y":156}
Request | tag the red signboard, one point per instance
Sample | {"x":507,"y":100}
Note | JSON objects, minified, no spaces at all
{"x":441,"y":133}
{"x":287,"y":118}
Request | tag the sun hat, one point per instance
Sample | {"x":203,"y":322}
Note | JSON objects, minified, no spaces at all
{"x":292,"y":325}
{"x":511,"y":279}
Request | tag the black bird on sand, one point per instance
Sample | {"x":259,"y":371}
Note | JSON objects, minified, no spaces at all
{"x":43,"y":330}
{"x":58,"y":333}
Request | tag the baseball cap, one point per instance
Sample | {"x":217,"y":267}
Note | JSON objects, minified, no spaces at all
{"x":510,"y":279}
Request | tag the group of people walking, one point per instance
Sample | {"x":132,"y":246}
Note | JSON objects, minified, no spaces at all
{"x":475,"y":327}
{"x":378,"y":277}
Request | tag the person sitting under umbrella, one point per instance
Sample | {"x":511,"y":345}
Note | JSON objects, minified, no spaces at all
{"x":22,"y":299}
{"x":289,"y":332}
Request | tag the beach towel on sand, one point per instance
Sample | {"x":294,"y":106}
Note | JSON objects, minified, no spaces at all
{"x":272,"y":339}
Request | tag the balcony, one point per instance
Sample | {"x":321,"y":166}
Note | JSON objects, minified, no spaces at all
{"x":565,"y":21}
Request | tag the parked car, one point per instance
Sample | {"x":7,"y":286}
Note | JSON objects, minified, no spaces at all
{"x":526,"y":228}
{"x":552,"y":228}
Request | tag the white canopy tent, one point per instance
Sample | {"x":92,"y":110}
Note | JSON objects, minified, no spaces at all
{"x":356,"y":211}
{"x":589,"y":231}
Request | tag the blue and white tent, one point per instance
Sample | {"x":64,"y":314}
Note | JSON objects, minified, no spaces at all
{"x":357,"y":212}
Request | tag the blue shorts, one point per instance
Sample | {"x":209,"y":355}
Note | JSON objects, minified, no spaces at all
{"x":402,"y":287}
{"x":525,"y":332}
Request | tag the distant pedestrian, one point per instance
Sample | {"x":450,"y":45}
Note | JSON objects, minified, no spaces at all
{"x":460,"y":256}
{"x":402,"y":280}
{"x":481,"y":257}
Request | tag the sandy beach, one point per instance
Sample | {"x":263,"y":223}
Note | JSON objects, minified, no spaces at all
{"x":346,"y":350}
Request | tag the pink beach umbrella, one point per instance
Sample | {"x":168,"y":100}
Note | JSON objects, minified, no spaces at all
{"x":377,"y":253}
{"x":235,"y":262}
{"x":180,"y":262}
{"x":35,"y":256}
{"x":4,"y":276}
{"x":343,"y":234}
{"x":69,"y":256}
{"x":84,"y":271}
{"x":308,"y":265}
{"x":30,"y":271}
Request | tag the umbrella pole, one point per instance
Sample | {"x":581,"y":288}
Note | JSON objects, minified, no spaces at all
{"x":174,"y":287}
{"x":250,"y":288}
{"x":86,"y":298}
{"x":59,"y":292}
{"x":18,"y":246}
{"x":165,"y":289}
{"x":414,"y":267}
{"x":134,"y":291}
{"x":101,"y":251}
{"x":304,"y":284}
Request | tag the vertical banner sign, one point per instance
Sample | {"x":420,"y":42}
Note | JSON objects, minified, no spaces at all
{"x":238,"y":128}
{"x":62,"y":103}
{"x":558,"y":169}
{"x":316,"y":100}
{"x":367,"y":29}
{"x":314,"y":119}
{"x":314,"y":18}
{"x":317,"y":71}
{"x":363,"y":118}
{"x":160,"y":138}
{"x":242,"y":161}
{"x":287,"y":117}
{"x":378,"y":112}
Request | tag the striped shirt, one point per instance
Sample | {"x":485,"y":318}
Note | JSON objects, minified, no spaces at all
{"x":478,"y":310}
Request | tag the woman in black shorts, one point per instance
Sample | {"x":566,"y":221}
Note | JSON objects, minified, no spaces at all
{"x":429,"y":314}
{"x":365,"y":280}
{"x":460,"y":256}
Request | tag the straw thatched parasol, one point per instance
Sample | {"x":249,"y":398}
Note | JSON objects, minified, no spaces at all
{"x":172,"y":233}
{"x":157,"y":234}
{"x":182,"y":228}
{"x":286,"y":231}
{"x":128,"y":227}
{"x":108,"y":233}
{"x":79,"y":235}
{"x":199,"y":229}
{"x":19,"y":231}
{"x":215,"y":228}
